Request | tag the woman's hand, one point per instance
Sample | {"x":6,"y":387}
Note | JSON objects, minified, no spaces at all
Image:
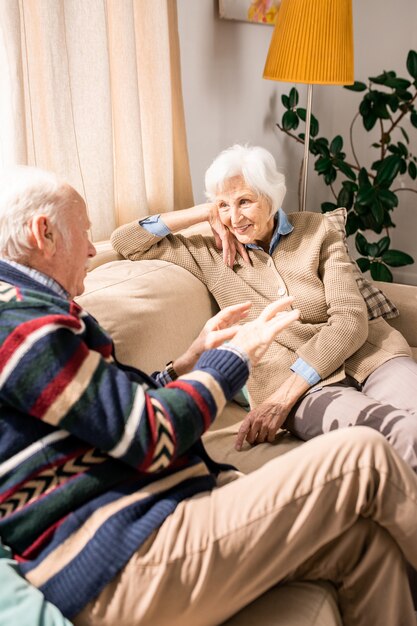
{"x":220,"y":328}
{"x":263,"y":422}
{"x":225,"y":240}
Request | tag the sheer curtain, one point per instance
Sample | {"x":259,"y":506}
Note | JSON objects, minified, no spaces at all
{"x":91,"y":89}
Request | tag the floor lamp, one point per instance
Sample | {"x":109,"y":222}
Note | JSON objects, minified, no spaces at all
{"x":312,"y":43}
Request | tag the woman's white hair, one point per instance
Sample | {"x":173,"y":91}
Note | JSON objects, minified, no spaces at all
{"x":256,"y":165}
{"x":24,"y":193}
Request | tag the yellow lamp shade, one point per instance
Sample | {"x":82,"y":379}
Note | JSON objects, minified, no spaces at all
{"x":312,"y":43}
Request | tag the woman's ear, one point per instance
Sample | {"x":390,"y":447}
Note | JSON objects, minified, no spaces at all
{"x":43,"y":235}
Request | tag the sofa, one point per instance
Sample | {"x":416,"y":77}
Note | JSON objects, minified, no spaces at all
{"x":153,"y":310}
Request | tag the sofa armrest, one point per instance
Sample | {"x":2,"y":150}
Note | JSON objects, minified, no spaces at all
{"x":405,"y":299}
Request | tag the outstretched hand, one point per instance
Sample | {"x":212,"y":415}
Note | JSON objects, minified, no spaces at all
{"x":255,"y":337}
{"x":220,"y":328}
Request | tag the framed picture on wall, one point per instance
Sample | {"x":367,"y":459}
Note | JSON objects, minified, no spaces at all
{"x":254,"y":11}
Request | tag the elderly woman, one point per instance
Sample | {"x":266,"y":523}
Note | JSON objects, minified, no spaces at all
{"x":332,"y":368}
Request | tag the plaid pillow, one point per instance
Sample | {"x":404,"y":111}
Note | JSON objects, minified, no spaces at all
{"x":376,"y":301}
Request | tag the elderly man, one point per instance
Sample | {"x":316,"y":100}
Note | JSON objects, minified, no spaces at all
{"x":107,"y":497}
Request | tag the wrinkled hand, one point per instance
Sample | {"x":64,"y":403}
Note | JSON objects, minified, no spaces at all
{"x":262,"y":423}
{"x":225,"y":240}
{"x":220,"y":328}
{"x":256,"y":336}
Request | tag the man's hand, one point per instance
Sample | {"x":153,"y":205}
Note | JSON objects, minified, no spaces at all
{"x":255,"y":337}
{"x":220,"y":328}
{"x":263,"y":422}
{"x":225,"y":241}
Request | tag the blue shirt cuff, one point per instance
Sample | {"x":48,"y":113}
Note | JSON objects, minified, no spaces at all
{"x":155,"y":225}
{"x":307,"y":372}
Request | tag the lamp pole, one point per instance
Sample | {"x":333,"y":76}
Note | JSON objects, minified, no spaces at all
{"x":306,"y":148}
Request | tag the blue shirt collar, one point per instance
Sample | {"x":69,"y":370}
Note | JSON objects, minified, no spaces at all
{"x":39,"y":277}
{"x":282,"y":227}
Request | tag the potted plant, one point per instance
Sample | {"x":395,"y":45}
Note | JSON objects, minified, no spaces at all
{"x":369,"y":192}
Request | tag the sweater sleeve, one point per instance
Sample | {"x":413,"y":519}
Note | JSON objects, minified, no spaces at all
{"x":47,"y":371}
{"x":196,"y":253}
{"x":347,"y":325}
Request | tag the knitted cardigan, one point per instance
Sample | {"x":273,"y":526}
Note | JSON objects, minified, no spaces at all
{"x":92,"y":458}
{"x":333,"y":334}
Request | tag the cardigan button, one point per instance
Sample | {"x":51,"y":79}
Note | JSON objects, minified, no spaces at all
{"x":281,"y":291}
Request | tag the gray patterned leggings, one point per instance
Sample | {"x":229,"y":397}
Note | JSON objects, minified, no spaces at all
{"x":386,"y":401}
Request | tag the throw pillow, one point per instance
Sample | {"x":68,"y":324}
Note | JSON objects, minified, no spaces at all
{"x":377,"y":303}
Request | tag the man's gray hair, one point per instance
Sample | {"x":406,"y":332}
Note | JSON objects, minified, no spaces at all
{"x":256,"y":165}
{"x":24,"y":193}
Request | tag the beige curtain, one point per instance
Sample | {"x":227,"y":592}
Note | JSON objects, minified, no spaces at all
{"x":91,"y":89}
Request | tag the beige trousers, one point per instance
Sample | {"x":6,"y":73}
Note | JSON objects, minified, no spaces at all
{"x":342,"y":507}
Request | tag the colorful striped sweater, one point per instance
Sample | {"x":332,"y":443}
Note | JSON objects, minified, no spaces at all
{"x":93,"y":456}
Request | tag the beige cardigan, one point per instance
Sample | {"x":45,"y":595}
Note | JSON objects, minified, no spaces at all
{"x":333,"y":334}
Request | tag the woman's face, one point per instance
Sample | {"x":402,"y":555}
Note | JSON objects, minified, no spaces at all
{"x":246,"y":214}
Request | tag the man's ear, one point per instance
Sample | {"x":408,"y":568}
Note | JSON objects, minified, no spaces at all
{"x":43,"y":235}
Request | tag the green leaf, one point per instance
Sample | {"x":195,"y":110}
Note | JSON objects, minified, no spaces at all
{"x":322,"y":165}
{"x":357,"y":86}
{"x":336,"y":145}
{"x":293,"y":97}
{"x":412,"y":63}
{"x":363,"y":178}
{"x":328,"y":206}
{"x":330,"y":176}
{"x":365,"y":195}
{"x":413,"y":118}
{"x":388,"y":198}
{"x":396,"y":258}
{"x":289,"y":120}
{"x":314,"y":125}
{"x":377,"y":211}
{"x":361,"y":244}
{"x":406,"y":137}
{"x":388,"y":170}
{"x":383,"y":245}
{"x":369,"y":120}
{"x":350,"y":186}
{"x":397,"y":83}
{"x":382,"y":78}
{"x":345,"y":169}
{"x":345,"y":198}
{"x":373,"y":250}
{"x":379,"y":271}
{"x":364,"y":264}
{"x":403,"y":149}
{"x":285,"y":101}
{"x":393,"y":102}
{"x":352,"y":223}
{"x":404,"y":95}
{"x":412,"y":170}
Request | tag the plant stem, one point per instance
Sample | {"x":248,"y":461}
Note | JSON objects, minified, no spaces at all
{"x":352,"y":147}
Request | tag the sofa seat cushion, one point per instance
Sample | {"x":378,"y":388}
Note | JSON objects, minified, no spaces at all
{"x":295,"y":604}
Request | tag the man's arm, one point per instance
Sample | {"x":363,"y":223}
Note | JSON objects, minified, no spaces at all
{"x":50,"y":373}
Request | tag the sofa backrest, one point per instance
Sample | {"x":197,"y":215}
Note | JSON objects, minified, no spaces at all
{"x":153,"y":310}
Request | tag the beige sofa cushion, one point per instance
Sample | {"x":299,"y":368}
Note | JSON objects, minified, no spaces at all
{"x":293,"y":604}
{"x":153,"y":309}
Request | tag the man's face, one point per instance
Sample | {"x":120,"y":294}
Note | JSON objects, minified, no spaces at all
{"x":74,"y":246}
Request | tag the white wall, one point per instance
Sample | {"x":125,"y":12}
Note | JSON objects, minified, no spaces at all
{"x":227,"y":100}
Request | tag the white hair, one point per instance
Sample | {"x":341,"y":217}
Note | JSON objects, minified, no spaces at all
{"x":257,"y":167}
{"x":24,"y":193}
